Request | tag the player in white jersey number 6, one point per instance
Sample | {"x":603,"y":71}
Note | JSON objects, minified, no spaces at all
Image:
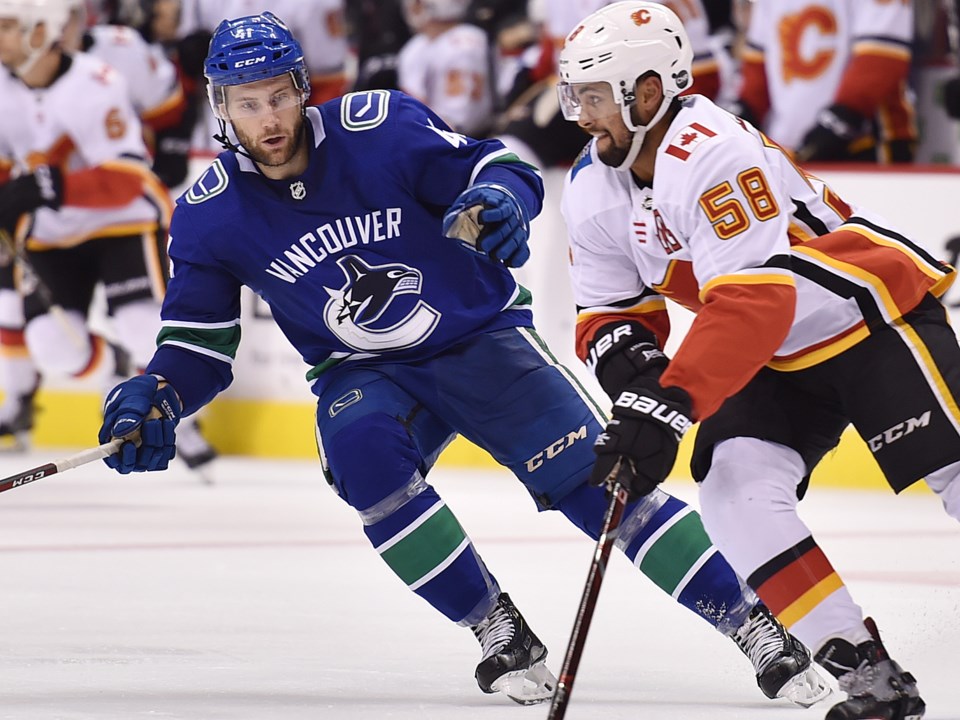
{"x":336,"y":216}
{"x":810,"y":315}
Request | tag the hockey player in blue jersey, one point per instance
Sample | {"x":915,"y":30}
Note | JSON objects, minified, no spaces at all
{"x":342,"y":218}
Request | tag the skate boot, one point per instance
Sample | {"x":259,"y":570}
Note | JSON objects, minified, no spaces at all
{"x":194,"y":449}
{"x":16,"y":422}
{"x":513,"y":657}
{"x":781,"y":662}
{"x":876,"y":686}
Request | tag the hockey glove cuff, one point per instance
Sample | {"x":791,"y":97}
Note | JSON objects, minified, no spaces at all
{"x":147,"y":414}
{"x":648,"y":423}
{"x":622,"y":352}
{"x":489,"y":218}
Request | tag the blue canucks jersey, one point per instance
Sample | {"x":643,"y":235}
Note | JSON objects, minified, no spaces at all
{"x":349,"y":255}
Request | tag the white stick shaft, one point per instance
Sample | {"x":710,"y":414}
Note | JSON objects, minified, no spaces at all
{"x":86,"y":456}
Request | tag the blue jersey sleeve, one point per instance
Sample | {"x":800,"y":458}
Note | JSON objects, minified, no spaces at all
{"x":200,"y":319}
{"x":438,"y":163}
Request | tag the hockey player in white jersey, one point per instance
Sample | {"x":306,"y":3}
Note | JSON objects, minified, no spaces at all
{"x":352,"y":221}
{"x":828,"y":79}
{"x":151,"y":86}
{"x":446,"y":64}
{"x":810,"y":315}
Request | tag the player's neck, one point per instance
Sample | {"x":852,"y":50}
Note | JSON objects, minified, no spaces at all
{"x":643,"y":166}
{"x":44,"y":71}
{"x":436,"y":28}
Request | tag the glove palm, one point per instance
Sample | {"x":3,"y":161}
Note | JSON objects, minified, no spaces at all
{"x":489,"y":218}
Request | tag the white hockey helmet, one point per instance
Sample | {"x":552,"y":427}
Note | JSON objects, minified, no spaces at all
{"x":616,"y":45}
{"x":418,"y":12}
{"x":52,"y":14}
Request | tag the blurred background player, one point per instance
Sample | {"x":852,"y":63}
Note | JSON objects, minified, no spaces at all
{"x":81,"y":200}
{"x":447,"y":64}
{"x":377,"y":31}
{"x":828,"y":79}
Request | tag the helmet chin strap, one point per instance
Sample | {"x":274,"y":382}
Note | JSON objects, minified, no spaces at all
{"x":639,"y":132}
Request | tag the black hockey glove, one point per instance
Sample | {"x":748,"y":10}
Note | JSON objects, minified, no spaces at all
{"x":622,"y":352}
{"x":647,"y":426}
{"x":171,"y":158}
{"x":41,"y":188}
{"x":951,"y":97}
{"x":836,"y":128}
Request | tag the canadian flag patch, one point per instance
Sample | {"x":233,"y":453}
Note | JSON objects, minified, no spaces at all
{"x":687,"y":140}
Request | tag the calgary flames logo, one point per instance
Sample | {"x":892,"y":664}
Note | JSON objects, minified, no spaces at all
{"x":641,"y":17}
{"x":792,"y":29}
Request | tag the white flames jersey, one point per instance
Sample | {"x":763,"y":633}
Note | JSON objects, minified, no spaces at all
{"x":450,"y":74}
{"x":805,"y":48}
{"x":84,"y":120}
{"x":151,"y":76}
{"x":317,"y":24}
{"x":730,"y":230}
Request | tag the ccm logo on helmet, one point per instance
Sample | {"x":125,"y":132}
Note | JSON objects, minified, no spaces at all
{"x":655,"y":409}
{"x":641,"y":17}
{"x":250,"y":61}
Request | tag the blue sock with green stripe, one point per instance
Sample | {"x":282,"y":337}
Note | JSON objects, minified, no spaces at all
{"x":665,"y":539}
{"x":425,"y":545}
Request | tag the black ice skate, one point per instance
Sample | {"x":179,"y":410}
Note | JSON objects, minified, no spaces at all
{"x":16,"y":422}
{"x":513,"y":657}
{"x":781,"y":662}
{"x":194,"y":450}
{"x":876,"y":686}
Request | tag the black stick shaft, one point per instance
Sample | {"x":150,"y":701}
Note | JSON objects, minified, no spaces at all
{"x":48,"y":469}
{"x":588,"y":602}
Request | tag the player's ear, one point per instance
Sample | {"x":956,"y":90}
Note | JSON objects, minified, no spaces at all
{"x":38,"y":36}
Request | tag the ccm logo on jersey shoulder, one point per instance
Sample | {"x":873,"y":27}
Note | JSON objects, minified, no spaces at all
{"x":689,"y":139}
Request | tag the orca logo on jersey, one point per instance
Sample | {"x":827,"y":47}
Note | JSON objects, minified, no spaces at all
{"x":364,"y":313}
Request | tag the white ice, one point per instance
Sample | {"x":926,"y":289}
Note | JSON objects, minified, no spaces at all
{"x":155,"y":596}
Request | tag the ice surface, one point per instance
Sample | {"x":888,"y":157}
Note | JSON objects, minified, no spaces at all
{"x":155,"y":596}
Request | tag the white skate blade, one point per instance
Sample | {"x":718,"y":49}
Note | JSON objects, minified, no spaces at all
{"x":805,"y":689}
{"x":527,"y":687}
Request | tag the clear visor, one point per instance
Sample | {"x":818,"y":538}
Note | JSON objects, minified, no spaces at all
{"x":250,"y":100}
{"x":587,"y":101}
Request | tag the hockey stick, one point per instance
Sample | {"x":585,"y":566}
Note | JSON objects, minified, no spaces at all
{"x":33,"y":282}
{"x":591,"y":591}
{"x":42,"y":471}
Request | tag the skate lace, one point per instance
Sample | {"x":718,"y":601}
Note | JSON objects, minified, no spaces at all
{"x":760,"y":640}
{"x":494,"y":632}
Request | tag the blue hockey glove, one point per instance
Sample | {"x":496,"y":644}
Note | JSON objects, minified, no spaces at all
{"x":489,"y":218}
{"x":647,"y":426}
{"x":126,"y":412}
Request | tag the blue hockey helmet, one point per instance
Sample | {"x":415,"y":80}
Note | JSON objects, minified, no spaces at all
{"x":248,"y":49}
